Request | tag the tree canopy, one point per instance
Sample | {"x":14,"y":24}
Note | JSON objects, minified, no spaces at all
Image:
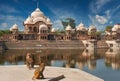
{"x":69,"y":21}
{"x":108,"y":28}
{"x":2,"y":32}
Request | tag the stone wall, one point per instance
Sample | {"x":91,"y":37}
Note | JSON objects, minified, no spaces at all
{"x":33,"y":44}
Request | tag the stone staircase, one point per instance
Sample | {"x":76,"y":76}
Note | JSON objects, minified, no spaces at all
{"x":32,"y":44}
{"x":102,"y":44}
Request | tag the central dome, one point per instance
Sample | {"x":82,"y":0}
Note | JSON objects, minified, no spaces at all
{"x":37,"y":13}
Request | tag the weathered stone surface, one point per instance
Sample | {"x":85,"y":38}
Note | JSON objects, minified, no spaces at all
{"x":21,"y":73}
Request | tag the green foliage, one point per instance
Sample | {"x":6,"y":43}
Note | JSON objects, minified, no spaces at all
{"x":64,"y":24}
{"x":108,"y":28}
{"x":98,"y":33}
{"x":21,"y":32}
{"x":69,"y":21}
{"x":60,"y":31}
{"x":2,"y":32}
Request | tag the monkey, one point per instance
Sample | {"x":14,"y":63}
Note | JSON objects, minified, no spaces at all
{"x":29,"y":61}
{"x":38,"y":73}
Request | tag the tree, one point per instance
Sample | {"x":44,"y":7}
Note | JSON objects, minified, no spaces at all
{"x":108,"y":28}
{"x":69,"y":21}
{"x":2,"y":32}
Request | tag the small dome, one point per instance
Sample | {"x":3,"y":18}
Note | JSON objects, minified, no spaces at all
{"x":37,"y":13}
{"x":92,"y":27}
{"x":81,"y":27}
{"x":53,"y":30}
{"x":10,"y":29}
{"x":114,"y":29}
{"x":77,"y":28}
{"x":116,"y":26}
{"x":68,"y":27}
{"x":43,"y":27}
{"x":15,"y":27}
{"x":38,"y":19}
{"x":48,"y":21}
{"x":28,"y":20}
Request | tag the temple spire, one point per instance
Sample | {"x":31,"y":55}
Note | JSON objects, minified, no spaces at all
{"x":37,"y":3}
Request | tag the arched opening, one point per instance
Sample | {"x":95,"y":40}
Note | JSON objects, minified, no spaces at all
{"x":35,"y":29}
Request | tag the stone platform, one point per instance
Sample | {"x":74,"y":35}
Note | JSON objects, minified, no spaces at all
{"x":21,"y":73}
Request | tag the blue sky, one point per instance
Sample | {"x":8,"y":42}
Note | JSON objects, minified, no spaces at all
{"x":90,"y":12}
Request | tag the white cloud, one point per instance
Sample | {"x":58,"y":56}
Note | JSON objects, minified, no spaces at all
{"x":101,"y":19}
{"x":101,"y":3}
{"x":108,"y":18}
{"x":8,"y":9}
{"x":4,"y":25}
{"x":97,"y":5}
{"x":112,"y":14}
{"x":108,"y":14}
{"x":115,"y":10}
{"x":110,"y":22}
{"x":98,"y":21}
{"x":57,"y":24}
{"x":7,"y":21}
{"x":92,"y":18}
{"x":60,"y":13}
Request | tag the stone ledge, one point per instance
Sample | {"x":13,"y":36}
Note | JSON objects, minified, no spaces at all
{"x":21,"y":73}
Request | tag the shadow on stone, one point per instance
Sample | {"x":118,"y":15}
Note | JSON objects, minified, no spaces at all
{"x":57,"y":78}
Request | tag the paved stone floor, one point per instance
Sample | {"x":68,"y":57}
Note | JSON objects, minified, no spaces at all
{"x":21,"y":73}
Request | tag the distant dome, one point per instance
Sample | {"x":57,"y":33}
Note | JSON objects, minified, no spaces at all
{"x":91,"y":28}
{"x":81,"y":27}
{"x":116,"y":26}
{"x":48,"y":21}
{"x":68,"y":27}
{"x":15,"y":27}
{"x":28,"y":20}
{"x":114,"y":29}
{"x":10,"y":29}
{"x":43,"y":27}
{"x":53,"y":30}
{"x":37,"y":13}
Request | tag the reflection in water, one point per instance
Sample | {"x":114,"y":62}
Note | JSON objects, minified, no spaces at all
{"x":113,"y":58}
{"x":88,"y":57}
{"x":64,"y":58}
{"x":98,"y":62}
